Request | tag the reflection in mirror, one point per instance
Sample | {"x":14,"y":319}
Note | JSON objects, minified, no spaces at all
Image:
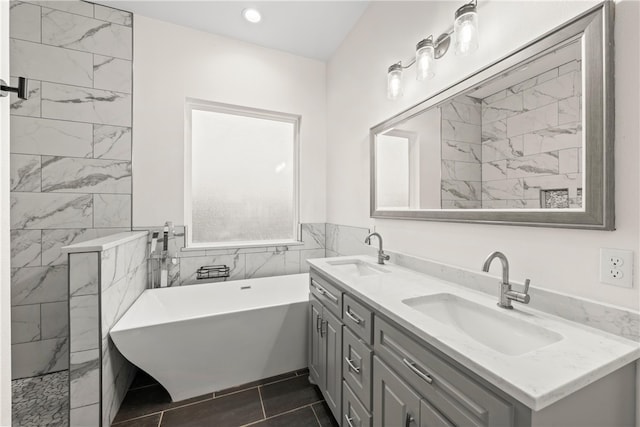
{"x":513,"y":142}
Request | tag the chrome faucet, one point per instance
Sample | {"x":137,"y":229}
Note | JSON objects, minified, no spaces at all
{"x":506,"y":293}
{"x":382,"y":257}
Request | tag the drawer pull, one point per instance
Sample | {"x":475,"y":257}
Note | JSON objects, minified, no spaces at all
{"x":352,"y":367}
{"x":323,"y":331}
{"x":326,"y":293}
{"x":330,"y":296}
{"x":417,"y":371}
{"x":408,"y":420}
{"x":318,"y":323}
{"x":349,"y":420}
{"x":357,"y":319}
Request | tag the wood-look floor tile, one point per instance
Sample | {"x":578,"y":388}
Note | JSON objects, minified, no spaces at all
{"x":256,"y":383}
{"x":324,"y":415}
{"x":289,"y":394}
{"x":148,"y":400}
{"x":232,"y":410}
{"x":150,"y":421}
{"x":303,"y":417}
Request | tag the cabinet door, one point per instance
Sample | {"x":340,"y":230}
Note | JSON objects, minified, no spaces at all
{"x":332,"y":336}
{"x":394,"y":403}
{"x":355,"y":415}
{"x":431,"y":417}
{"x":316,"y":343}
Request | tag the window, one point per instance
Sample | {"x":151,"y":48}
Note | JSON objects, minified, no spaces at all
{"x":241,"y":176}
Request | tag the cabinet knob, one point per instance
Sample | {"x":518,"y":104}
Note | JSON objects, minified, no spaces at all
{"x":409,"y":420}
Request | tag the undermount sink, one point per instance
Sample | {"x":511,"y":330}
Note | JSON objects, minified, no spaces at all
{"x":498,"y":331}
{"x":356,"y":267}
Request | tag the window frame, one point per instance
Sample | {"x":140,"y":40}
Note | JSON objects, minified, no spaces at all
{"x":217,"y":107}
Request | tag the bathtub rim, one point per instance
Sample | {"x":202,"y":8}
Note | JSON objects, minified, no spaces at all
{"x":115,"y":328}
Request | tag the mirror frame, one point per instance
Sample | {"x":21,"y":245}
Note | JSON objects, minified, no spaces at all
{"x":596,"y":28}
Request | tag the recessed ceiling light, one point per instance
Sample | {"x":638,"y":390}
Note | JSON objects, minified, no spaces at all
{"x":252,"y":15}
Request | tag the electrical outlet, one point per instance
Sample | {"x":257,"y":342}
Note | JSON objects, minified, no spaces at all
{"x":616,"y":267}
{"x":615,"y":260}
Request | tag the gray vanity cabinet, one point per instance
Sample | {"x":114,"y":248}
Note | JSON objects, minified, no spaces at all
{"x":395,"y":403}
{"x":374,"y":372}
{"x":316,"y":343}
{"x":451,"y":393}
{"x":333,"y":365}
{"x":325,"y":353}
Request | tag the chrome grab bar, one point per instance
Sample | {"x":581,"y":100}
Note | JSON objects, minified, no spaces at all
{"x":352,"y":367}
{"x":346,"y":417}
{"x":357,"y":319}
{"x":411,"y":365}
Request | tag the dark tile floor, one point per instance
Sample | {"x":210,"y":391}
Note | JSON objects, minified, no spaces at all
{"x":287,"y":400}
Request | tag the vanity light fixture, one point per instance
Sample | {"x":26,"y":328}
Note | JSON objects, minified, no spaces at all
{"x":465,"y":39}
{"x":465,"y":28}
{"x":252,"y":15}
{"x":394,"y":81}
{"x":425,"y":59}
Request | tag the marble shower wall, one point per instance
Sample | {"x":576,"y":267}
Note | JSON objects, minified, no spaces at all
{"x":461,"y":164}
{"x":103,"y":284}
{"x":244,"y":263}
{"x":70,"y":160}
{"x":532,"y":140}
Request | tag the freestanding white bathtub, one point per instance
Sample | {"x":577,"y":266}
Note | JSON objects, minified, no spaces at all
{"x":204,"y":338}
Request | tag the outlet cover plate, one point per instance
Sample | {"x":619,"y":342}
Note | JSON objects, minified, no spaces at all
{"x":609,"y":268}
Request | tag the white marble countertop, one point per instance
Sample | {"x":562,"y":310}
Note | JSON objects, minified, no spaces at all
{"x":538,"y":378}
{"x":104,"y":243}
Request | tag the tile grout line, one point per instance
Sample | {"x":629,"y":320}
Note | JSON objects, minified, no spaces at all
{"x":309,"y":405}
{"x":264,"y":414}
{"x":160,"y":420}
{"x":214,"y":397}
{"x":136,"y":418}
{"x":316,"y":415}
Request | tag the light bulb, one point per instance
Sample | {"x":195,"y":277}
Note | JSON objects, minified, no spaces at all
{"x":252,"y":15}
{"x":465,"y":29}
{"x":425,"y":59}
{"x":394,"y":82}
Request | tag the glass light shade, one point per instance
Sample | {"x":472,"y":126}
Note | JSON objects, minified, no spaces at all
{"x":425,"y":60}
{"x":394,"y":82}
{"x":465,"y":29}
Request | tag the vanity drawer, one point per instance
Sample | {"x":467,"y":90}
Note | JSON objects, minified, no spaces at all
{"x":461,"y":399}
{"x":358,"y":318}
{"x":356,"y":366}
{"x":328,"y":294}
{"x":354,"y":414}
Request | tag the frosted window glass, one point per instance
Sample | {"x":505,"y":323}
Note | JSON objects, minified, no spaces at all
{"x":242,"y":178}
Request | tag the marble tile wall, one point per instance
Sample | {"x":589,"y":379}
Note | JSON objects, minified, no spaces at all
{"x":102,"y":286}
{"x":244,"y":263}
{"x":532,"y":140}
{"x":123,"y":278}
{"x":461,"y":153}
{"x":70,"y":161}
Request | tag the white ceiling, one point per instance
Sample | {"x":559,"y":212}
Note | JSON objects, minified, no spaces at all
{"x":313,"y":29}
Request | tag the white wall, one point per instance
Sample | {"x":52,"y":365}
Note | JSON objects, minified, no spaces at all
{"x":172,"y":63}
{"x":563,"y":260}
{"x":5,"y":287}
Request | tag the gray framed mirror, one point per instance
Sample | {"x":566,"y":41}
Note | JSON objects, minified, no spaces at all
{"x":528,"y":140}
